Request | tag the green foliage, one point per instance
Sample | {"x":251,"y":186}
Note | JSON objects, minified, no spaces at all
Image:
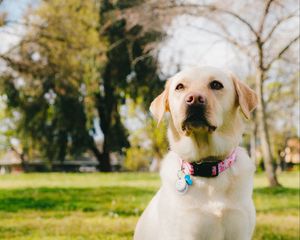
{"x":4,"y":142}
{"x":107,"y":206}
{"x":57,"y":58}
{"x":158,"y":136}
{"x":148,"y":141}
{"x":7,"y":129}
{"x":137,"y":158}
{"x":78,"y":62}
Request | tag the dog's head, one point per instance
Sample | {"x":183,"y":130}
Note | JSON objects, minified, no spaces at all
{"x":204,"y":102}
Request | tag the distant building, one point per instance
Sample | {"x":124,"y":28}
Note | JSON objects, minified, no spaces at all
{"x":292,"y":151}
{"x":10,"y":162}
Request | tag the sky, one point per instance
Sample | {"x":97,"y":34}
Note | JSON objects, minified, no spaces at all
{"x":15,"y":8}
{"x":188,"y":47}
{"x":10,"y":34}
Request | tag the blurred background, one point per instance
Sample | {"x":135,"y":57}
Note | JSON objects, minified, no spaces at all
{"x":77,"y":78}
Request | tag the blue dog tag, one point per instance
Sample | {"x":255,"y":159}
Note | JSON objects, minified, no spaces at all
{"x":188,"y":179}
{"x":181,"y":186}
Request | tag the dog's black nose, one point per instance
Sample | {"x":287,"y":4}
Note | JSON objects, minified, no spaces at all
{"x":194,"y":99}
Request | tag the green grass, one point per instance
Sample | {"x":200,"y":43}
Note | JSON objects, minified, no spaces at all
{"x":107,"y":206}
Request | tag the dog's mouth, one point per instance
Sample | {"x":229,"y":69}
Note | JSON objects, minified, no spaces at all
{"x":195,"y":120}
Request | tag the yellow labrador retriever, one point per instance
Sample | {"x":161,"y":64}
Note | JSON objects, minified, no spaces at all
{"x":207,"y":179}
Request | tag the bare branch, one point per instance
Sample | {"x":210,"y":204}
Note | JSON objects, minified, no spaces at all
{"x":142,"y":57}
{"x":279,"y":55}
{"x":25,"y":24}
{"x":237,"y":17}
{"x":264,"y":16}
{"x":116,"y":44}
{"x":17,"y":34}
{"x":210,"y":8}
{"x":277,"y":24}
{"x":227,"y":38}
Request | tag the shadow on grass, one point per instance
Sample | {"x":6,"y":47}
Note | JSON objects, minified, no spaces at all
{"x":277,"y":191}
{"x":123,"y":201}
{"x":107,"y":200}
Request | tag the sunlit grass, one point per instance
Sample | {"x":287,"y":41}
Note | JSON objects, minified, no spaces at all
{"x":107,"y":206}
{"x":287,"y":179}
{"x":82,"y":180}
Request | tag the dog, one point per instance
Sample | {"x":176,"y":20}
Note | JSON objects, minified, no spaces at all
{"x":207,"y":179}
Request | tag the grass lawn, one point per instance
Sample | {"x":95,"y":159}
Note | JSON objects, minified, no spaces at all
{"x":107,"y":206}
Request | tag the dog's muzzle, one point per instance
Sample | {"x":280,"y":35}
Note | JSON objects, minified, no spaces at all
{"x":196,"y":118}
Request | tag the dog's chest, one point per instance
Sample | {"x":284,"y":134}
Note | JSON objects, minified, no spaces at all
{"x":202,"y":220}
{"x":202,"y":213}
{"x":206,"y":199}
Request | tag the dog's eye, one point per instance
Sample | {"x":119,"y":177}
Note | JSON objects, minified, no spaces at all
{"x":179,"y":87}
{"x":216,"y":85}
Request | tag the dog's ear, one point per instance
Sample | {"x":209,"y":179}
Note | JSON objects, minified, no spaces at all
{"x":160,"y":104}
{"x":247,"y":98}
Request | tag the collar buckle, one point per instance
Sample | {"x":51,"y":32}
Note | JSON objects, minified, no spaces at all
{"x":206,"y":169}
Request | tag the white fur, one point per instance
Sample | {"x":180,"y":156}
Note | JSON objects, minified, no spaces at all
{"x":213,"y":208}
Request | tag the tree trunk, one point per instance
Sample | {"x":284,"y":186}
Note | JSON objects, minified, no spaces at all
{"x":22,"y":157}
{"x":103,"y":158}
{"x":105,"y":165}
{"x":264,"y":133}
{"x":253,"y":138}
{"x":105,"y":106}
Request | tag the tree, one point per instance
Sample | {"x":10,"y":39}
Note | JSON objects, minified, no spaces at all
{"x":258,"y":35}
{"x":46,"y":74}
{"x":130,"y":72}
{"x":72,"y":75}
